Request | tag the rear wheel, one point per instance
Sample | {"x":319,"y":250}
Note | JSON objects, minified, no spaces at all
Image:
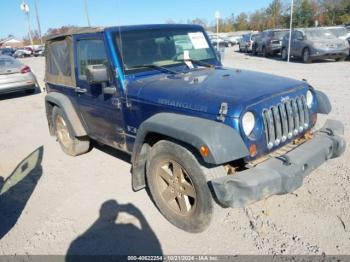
{"x":178,"y":186}
{"x":341,"y":59}
{"x":284,"y":54}
{"x":264,"y":52}
{"x":70,"y":144}
{"x":306,"y":56}
{"x":254,"y":50}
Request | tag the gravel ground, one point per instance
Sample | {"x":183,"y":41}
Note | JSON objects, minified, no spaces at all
{"x":80,"y":204}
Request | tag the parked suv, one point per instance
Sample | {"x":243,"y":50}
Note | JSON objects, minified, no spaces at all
{"x":269,"y":42}
{"x":341,"y":32}
{"x":315,"y":43}
{"x":199,"y":134}
{"x":246,"y":42}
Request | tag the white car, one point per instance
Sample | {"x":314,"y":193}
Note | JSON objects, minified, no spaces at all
{"x":340,"y":32}
{"x":15,"y":77}
{"x":20,"y":53}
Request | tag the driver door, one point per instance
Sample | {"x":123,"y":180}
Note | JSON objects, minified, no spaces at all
{"x":102,"y":113}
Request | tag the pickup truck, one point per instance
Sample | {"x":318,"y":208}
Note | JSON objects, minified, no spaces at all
{"x":201,"y":136}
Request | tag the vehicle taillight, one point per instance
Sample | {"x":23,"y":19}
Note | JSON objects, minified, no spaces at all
{"x":25,"y":69}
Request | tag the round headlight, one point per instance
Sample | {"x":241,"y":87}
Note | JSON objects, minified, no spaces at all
{"x":248,"y":123}
{"x":309,"y":99}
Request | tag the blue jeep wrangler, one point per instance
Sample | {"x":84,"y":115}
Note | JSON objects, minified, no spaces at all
{"x":200,"y":135}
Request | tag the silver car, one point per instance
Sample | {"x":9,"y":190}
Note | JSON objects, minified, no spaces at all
{"x":15,"y":77}
{"x":313,"y":44}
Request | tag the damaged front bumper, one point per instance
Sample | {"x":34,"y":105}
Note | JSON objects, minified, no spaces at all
{"x":281,"y":175}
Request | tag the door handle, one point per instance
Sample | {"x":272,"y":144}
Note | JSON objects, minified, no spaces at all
{"x":80,"y":90}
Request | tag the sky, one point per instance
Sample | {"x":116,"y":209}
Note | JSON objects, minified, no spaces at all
{"x":56,"y":13}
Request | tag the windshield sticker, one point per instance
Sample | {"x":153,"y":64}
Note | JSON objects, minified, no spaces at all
{"x":198,"y":40}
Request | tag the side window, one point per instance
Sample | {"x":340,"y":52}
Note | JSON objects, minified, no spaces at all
{"x":60,"y":57}
{"x":90,"y":52}
{"x":298,"y":35}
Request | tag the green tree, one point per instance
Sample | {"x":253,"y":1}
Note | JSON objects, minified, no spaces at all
{"x":241,"y":22}
{"x":274,"y":14}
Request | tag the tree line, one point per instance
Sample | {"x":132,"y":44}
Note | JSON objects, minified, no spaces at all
{"x":306,"y":13}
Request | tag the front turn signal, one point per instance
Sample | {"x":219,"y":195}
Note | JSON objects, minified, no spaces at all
{"x":204,"y":151}
{"x":252,"y":150}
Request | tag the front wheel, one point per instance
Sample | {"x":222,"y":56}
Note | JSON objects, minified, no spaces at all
{"x":306,"y":56}
{"x":178,"y":186}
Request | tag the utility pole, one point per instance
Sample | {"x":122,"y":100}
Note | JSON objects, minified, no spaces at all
{"x":25,"y":8}
{"x":38,"y":21}
{"x":217,"y":16}
{"x":87,"y":13}
{"x":290,"y":29}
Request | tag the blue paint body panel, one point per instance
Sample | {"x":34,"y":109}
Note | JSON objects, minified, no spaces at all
{"x":198,"y":93}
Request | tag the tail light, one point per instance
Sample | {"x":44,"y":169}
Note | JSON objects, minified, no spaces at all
{"x":25,"y":69}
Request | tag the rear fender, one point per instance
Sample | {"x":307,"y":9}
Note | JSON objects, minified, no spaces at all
{"x":74,"y":122}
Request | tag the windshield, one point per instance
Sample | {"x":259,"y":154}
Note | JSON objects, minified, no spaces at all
{"x":161,"y":47}
{"x":339,"y":32}
{"x":279,"y":34}
{"x":319,"y":34}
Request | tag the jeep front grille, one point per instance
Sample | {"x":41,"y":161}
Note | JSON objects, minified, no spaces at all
{"x":285,"y":120}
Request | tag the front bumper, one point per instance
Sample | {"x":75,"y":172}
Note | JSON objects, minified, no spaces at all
{"x":281,"y":175}
{"x":329,"y":53}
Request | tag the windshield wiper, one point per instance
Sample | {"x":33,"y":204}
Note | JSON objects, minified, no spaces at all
{"x":160,"y":68}
{"x":197,"y":62}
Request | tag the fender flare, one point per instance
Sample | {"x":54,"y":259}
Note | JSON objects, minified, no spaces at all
{"x":62,"y":101}
{"x":324,"y":105}
{"x":224,"y":142}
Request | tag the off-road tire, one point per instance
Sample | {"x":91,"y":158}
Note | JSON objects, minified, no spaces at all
{"x":70,"y":144}
{"x":306,"y":56}
{"x":198,"y":218}
{"x":284,"y":54}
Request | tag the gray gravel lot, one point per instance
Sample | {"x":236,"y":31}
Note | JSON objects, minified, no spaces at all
{"x":66,"y":200}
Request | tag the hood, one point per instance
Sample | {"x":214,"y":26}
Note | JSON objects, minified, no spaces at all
{"x":205,"y":90}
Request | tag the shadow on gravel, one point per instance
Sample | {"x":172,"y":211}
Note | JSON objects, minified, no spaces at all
{"x":112,"y":152}
{"x":119,"y":230}
{"x":17,"y":189}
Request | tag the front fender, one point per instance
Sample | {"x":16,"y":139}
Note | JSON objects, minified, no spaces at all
{"x":224,"y":142}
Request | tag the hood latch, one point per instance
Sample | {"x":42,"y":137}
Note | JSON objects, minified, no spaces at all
{"x":222,"y":112}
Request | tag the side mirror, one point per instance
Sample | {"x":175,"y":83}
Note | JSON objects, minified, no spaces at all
{"x":97,"y":74}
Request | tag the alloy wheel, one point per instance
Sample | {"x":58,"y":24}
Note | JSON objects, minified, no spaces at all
{"x":176,"y":188}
